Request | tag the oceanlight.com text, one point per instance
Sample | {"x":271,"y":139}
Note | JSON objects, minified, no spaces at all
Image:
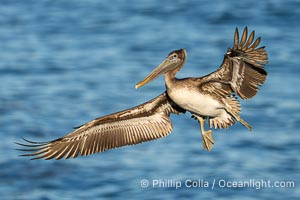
{"x":216,"y":183}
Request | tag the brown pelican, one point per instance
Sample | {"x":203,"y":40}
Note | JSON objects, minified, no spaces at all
{"x":209,"y":98}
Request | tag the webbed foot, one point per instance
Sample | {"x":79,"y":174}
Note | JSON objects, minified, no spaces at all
{"x":207,"y":140}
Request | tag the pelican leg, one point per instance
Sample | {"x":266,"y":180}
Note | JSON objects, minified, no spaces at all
{"x":207,"y":138}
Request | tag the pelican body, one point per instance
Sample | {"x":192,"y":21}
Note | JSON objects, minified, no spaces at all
{"x":211,"y":98}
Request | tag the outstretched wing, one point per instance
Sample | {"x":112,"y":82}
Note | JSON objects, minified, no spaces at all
{"x":243,"y":66}
{"x":148,"y":121}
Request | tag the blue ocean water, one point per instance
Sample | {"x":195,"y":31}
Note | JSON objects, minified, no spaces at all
{"x":63,"y":63}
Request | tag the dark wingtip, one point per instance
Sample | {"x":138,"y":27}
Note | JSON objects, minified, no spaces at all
{"x":28,"y":145}
{"x":31,"y":147}
{"x":29,"y":141}
{"x":236,"y":38}
{"x":35,"y":158}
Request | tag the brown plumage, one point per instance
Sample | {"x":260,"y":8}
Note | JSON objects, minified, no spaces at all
{"x":209,"y":97}
{"x":243,"y":66}
{"x":148,"y":121}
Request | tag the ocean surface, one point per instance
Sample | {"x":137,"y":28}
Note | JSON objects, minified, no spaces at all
{"x":64,"y":63}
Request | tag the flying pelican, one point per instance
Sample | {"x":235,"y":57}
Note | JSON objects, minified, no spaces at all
{"x":209,"y":98}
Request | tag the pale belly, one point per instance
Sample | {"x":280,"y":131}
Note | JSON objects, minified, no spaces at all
{"x":195,"y":102}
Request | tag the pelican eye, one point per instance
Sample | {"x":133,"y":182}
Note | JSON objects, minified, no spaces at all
{"x":173,"y":57}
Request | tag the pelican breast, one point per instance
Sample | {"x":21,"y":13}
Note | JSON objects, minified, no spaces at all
{"x":192,"y":100}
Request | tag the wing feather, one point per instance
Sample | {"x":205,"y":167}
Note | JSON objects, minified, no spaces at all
{"x":249,"y":41}
{"x":142,"y":123}
{"x":236,"y":39}
{"x":244,"y":38}
{"x":243,"y":66}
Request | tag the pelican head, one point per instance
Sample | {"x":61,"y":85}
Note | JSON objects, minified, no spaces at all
{"x":173,"y":62}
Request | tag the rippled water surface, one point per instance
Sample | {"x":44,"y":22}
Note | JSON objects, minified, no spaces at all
{"x":63,"y":63}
